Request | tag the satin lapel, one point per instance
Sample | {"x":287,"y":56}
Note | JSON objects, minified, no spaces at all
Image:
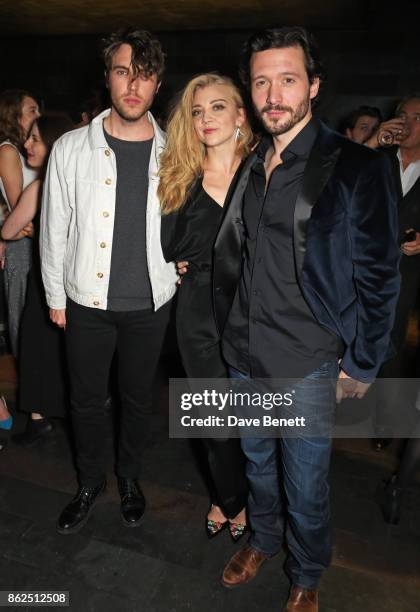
{"x":233,"y":206}
{"x":317,"y":172}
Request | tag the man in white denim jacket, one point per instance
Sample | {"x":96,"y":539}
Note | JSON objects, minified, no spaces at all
{"x":105,"y":277}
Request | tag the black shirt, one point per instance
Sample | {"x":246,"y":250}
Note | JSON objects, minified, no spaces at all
{"x":271,"y":331}
{"x":129,"y":285}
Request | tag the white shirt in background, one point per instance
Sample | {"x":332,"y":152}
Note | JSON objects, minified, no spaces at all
{"x":410,"y":175}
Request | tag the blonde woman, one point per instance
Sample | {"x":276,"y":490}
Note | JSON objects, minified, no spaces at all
{"x":208,"y":137}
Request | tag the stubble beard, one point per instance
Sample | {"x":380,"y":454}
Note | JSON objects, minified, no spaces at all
{"x":135,"y":115}
{"x":276,"y":127}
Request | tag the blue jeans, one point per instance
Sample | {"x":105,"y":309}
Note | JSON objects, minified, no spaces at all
{"x":289,"y":494}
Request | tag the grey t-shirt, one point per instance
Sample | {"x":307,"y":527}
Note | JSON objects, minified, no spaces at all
{"x":129,"y":283}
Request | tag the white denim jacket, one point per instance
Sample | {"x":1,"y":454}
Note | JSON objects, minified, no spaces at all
{"x":77,"y":220}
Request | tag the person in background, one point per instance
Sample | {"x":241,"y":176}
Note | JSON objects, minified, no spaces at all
{"x":391,"y":497}
{"x":404,"y":155}
{"x":41,"y":392}
{"x":208,"y":137}
{"x":360,"y":124}
{"x":5,"y":417}
{"x":18,"y":109}
{"x":3,"y":303}
{"x":85,"y":112}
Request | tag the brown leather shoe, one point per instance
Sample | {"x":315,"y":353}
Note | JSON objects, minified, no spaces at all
{"x":243,"y":567}
{"x":302,"y":600}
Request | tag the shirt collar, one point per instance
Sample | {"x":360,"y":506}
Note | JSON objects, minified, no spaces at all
{"x":97,"y":136}
{"x":414,"y":163}
{"x":300,"y":146}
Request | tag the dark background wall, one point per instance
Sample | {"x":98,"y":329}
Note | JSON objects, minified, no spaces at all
{"x":374,"y":64}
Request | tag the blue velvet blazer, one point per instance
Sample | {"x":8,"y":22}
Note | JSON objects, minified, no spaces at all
{"x":345,"y":245}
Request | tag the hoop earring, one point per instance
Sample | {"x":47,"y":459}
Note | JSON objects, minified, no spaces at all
{"x":237,"y":134}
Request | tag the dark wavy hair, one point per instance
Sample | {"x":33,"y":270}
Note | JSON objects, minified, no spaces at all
{"x":11,"y":101}
{"x":281,"y":38}
{"x":147,"y":58}
{"x":350,"y":120}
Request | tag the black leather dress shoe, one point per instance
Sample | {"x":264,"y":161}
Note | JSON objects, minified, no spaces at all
{"x":133,"y":503}
{"x":76,"y":514}
{"x":35,"y":430}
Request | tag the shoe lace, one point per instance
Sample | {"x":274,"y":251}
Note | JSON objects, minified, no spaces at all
{"x":85,"y":493}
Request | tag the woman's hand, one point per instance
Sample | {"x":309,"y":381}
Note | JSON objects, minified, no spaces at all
{"x":181,"y":268}
{"x":26,"y":232}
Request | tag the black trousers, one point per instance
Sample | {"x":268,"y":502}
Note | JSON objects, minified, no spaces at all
{"x":92,"y":338}
{"x":199,"y":345}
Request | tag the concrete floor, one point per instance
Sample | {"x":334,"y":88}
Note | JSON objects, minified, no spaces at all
{"x":168,"y":564}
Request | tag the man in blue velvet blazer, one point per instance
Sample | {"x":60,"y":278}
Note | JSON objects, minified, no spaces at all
{"x":305,"y":286}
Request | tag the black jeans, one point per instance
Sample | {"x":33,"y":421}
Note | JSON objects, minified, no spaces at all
{"x":92,"y":337}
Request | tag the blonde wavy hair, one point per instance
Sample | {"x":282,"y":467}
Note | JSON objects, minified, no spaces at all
{"x":182,"y":161}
